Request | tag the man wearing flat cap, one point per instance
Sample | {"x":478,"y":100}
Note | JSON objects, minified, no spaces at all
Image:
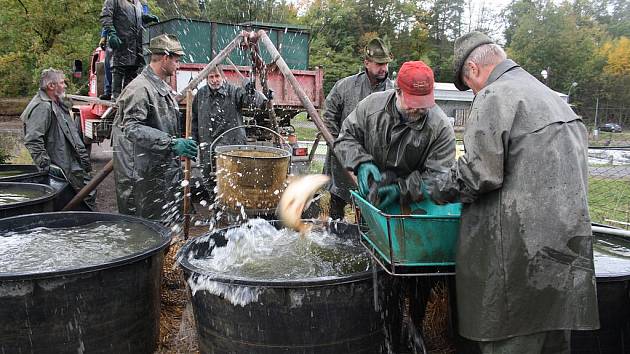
{"x":342,"y":100}
{"x":525,"y":276}
{"x":146,"y":139}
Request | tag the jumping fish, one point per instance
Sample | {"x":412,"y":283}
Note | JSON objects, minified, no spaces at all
{"x":297,"y":197}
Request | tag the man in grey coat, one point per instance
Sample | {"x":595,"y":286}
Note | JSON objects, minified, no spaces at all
{"x":122,"y":22}
{"x":525,"y":275}
{"x":342,"y":99}
{"x":52,"y":138}
{"x":216,"y":109}
{"x":401,"y":131}
{"x":145,"y":135}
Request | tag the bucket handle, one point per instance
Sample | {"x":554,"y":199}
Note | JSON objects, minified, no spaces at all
{"x":248,"y":126}
{"x":212,"y":167}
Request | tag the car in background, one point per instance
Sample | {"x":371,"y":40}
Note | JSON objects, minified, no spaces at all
{"x":610,"y":127}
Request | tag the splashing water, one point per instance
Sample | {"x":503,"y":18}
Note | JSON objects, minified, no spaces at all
{"x":257,"y":250}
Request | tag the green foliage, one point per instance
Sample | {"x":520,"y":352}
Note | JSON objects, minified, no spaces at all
{"x":578,"y":40}
{"x":40,"y":34}
{"x":336,"y":63}
{"x":574,"y":43}
{"x":276,"y":11}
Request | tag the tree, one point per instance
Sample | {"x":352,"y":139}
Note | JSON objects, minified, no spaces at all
{"x":38,"y":34}
{"x":552,"y":39}
{"x":232,"y":11}
{"x":445,"y":23}
{"x":176,"y":8}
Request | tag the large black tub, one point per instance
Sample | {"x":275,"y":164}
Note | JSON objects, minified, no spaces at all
{"x":612,"y":269}
{"x":16,"y":173}
{"x":28,"y":198}
{"x":29,"y":174}
{"x":111,"y":307}
{"x":318,"y":315}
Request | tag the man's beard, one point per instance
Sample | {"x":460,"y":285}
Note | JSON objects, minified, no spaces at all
{"x":414,"y":116}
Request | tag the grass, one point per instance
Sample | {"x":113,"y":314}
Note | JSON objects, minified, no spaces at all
{"x":304,"y":133}
{"x":609,"y":201}
{"x":609,"y":139}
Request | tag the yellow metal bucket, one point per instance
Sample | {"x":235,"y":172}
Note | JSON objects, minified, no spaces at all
{"x":252,"y":177}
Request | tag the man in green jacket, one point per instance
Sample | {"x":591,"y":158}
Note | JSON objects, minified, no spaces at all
{"x":145,"y":135}
{"x":401,"y":131}
{"x":525,"y":275}
{"x":52,"y":138}
{"x":216,"y":109}
{"x":342,"y":99}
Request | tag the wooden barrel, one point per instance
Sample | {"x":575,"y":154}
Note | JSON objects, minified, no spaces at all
{"x":252,"y":177}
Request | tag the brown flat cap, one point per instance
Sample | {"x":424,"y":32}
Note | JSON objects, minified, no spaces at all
{"x":165,"y":44}
{"x":464,"y":45}
{"x":377,"y":51}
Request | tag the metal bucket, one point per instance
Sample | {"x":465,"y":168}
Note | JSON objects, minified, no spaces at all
{"x":252,"y":177}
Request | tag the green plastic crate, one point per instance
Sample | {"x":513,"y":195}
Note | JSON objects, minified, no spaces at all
{"x":416,"y":240}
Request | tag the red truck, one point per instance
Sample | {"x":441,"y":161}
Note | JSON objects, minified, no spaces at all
{"x":90,"y":110}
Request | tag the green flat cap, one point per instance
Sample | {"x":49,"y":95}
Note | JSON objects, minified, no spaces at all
{"x":464,"y":45}
{"x":165,"y":44}
{"x":377,"y":51}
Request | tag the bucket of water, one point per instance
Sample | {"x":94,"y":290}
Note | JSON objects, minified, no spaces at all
{"x":252,"y":177}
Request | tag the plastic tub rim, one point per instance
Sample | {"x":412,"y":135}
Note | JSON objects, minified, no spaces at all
{"x":298,"y":283}
{"x":132,"y":258}
{"x":50,"y":194}
{"x":17,"y":178}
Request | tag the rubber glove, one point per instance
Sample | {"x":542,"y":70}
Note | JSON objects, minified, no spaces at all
{"x":388,"y":195}
{"x":184,"y":147}
{"x":150,"y":18}
{"x":114,"y":41}
{"x":364,"y":172}
{"x":56,"y":171}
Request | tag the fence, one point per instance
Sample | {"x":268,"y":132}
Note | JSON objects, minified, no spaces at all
{"x":609,"y":184}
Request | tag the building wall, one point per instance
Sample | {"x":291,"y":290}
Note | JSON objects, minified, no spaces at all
{"x":456,"y":109}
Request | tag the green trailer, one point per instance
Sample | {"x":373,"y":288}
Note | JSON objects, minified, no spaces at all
{"x":202,"y":40}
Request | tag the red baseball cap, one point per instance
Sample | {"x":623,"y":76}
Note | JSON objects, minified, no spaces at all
{"x":415,"y":80}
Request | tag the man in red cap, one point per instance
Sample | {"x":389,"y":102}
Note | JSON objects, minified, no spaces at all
{"x":397,"y":142}
{"x":401,"y":134}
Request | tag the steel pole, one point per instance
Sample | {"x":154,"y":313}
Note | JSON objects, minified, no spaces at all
{"x":310,"y":108}
{"x":187,"y":165}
